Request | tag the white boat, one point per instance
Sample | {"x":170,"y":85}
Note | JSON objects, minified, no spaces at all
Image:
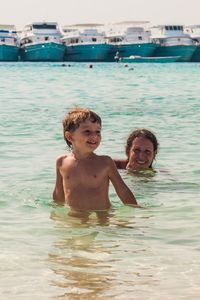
{"x":194,"y":32}
{"x":9,"y":47}
{"x":41,"y":41}
{"x":173,"y":41}
{"x":131,"y":38}
{"x":140,"y":59}
{"x":85,"y":43}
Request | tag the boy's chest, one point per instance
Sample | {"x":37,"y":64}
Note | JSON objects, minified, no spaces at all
{"x":84,"y":172}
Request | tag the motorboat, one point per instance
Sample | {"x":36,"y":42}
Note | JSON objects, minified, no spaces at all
{"x":9,"y":47}
{"x":173,"y":41}
{"x":131,"y":38}
{"x":85,"y":43}
{"x":140,"y":59}
{"x":41,"y":41}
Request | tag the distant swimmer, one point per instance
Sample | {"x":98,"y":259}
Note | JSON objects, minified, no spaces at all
{"x":117,"y":57}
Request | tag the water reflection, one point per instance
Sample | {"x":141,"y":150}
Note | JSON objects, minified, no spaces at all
{"x":94,"y":260}
{"x":80,"y":260}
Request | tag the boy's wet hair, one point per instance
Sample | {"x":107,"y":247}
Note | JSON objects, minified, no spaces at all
{"x":144,"y":133}
{"x":75,"y":117}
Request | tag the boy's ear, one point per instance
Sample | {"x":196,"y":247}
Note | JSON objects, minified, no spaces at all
{"x":68,"y":136}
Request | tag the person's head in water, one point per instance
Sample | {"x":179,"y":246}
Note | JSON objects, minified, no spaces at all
{"x":141,"y":149}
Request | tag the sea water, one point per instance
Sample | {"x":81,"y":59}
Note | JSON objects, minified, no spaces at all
{"x":150,"y":253}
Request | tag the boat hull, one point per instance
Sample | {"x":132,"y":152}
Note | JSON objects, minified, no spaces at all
{"x":88,"y":53}
{"x":184,"y":51}
{"x":126,"y":50}
{"x":43,"y":52}
{"x":9,"y":53}
{"x":196,"y":55}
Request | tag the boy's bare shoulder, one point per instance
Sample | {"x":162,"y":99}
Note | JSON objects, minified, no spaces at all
{"x":105,"y":158}
{"x":60,"y":159}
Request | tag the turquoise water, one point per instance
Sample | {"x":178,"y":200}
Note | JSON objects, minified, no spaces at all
{"x":150,"y":253}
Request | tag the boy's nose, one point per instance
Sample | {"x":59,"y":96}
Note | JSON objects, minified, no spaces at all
{"x":94,"y":135}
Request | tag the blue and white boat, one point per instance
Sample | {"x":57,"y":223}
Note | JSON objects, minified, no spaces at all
{"x":41,"y":41}
{"x":194,"y":32}
{"x":85,"y":43}
{"x":9,"y":48}
{"x":131,"y":38}
{"x":173,"y":41}
{"x":140,"y":59}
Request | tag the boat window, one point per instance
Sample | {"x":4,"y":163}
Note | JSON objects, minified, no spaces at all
{"x":115,"y":40}
{"x":73,"y":41}
{"x":2,"y":40}
{"x":94,"y":39}
{"x":27,"y":41}
{"x":170,"y":27}
{"x":4,"y":31}
{"x":175,"y":27}
{"x":139,"y":38}
{"x":44,"y":26}
{"x":46,"y":38}
{"x":166,"y":27}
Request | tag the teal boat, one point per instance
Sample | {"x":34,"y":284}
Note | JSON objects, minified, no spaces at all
{"x":41,"y":41}
{"x":9,"y":49}
{"x":85,"y":43}
{"x":129,"y":39}
{"x":140,"y":59}
{"x":173,"y":41}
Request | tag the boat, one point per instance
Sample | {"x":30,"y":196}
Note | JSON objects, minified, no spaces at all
{"x":194,"y":32}
{"x":9,"y":48}
{"x":41,"y":41}
{"x":85,"y":43}
{"x":173,"y":41}
{"x":140,"y":59}
{"x":131,"y":38}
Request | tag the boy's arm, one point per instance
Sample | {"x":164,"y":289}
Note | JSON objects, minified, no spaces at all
{"x":122,"y":190}
{"x":58,"y":192}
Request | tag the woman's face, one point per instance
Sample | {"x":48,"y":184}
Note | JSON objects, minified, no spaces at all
{"x":141,"y":154}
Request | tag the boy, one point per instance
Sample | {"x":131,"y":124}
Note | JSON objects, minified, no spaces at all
{"x":82,"y":177}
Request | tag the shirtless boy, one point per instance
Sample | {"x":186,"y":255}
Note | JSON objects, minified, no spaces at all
{"x":82,"y":177}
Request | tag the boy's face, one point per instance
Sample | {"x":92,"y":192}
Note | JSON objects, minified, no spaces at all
{"x":86,"y":137}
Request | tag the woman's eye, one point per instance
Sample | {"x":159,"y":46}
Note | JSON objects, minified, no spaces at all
{"x":136,"y":150}
{"x":148,"y":152}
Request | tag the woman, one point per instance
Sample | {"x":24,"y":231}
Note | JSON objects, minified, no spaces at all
{"x":141,"y":150}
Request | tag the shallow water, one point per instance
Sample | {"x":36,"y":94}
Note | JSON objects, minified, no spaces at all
{"x":149,"y":253}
